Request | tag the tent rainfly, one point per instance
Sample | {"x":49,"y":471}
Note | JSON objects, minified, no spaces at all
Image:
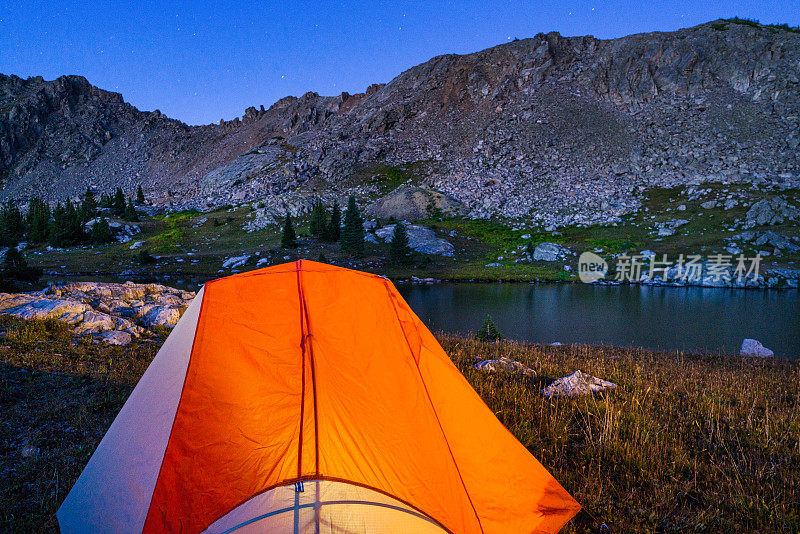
{"x":308,"y":398}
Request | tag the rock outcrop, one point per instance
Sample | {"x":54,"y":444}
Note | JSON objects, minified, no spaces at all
{"x":559,"y":130}
{"x":412,"y":203}
{"x":111,"y":312}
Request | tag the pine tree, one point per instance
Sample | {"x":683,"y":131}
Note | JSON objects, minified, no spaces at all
{"x":88,"y":205}
{"x":12,"y":226}
{"x":101,"y":232}
{"x":130,"y":212}
{"x":318,"y":219}
{"x":288,"y":238}
{"x":489,"y":331}
{"x":332,"y":229}
{"x":38,"y":221}
{"x":118,"y":203}
{"x":105,"y":200}
{"x":399,"y":249}
{"x":353,"y":234}
{"x":139,"y":195}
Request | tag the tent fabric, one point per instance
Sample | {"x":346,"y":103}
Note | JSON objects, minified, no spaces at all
{"x":314,"y":373}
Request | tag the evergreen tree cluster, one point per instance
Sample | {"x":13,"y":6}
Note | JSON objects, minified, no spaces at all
{"x":66,"y":223}
{"x":327,"y":226}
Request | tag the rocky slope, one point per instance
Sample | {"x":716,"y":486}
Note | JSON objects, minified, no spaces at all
{"x":555,"y":129}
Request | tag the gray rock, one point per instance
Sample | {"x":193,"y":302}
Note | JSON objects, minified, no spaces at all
{"x":752,"y":347}
{"x":505,"y":365}
{"x":709,"y":205}
{"x":549,"y":252}
{"x":578,"y":383}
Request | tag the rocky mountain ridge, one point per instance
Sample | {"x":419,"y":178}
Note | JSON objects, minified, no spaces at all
{"x":558,"y":130}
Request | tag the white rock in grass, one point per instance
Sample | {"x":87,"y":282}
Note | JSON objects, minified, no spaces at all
{"x":752,"y":347}
{"x":505,"y":365}
{"x":578,"y":383}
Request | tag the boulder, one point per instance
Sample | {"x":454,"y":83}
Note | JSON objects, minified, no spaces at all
{"x":411,"y":203}
{"x":505,"y":365}
{"x":420,"y":238}
{"x":752,"y":347}
{"x":549,"y":252}
{"x":578,"y":383}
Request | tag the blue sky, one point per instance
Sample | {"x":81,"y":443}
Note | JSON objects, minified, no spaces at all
{"x":202,"y":61}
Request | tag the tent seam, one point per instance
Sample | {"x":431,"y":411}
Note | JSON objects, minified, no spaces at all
{"x":302,"y":375}
{"x":430,"y":401}
{"x":307,"y":334}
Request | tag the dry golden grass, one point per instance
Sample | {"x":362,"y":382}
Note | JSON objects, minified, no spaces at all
{"x":685,"y":444}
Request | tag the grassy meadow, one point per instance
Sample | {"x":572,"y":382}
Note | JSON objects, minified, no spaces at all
{"x":191,"y":244}
{"x":686,"y":443}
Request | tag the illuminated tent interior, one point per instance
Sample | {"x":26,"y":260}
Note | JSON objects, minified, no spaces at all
{"x":309,"y":398}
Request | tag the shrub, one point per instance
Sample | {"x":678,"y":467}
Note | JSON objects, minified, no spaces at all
{"x":489,"y":331}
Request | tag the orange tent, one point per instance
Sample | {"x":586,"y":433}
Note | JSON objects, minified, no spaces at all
{"x":309,"y":398}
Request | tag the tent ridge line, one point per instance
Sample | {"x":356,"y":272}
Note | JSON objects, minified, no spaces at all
{"x":393,"y":299}
{"x":178,"y":407}
{"x":312,"y":362}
